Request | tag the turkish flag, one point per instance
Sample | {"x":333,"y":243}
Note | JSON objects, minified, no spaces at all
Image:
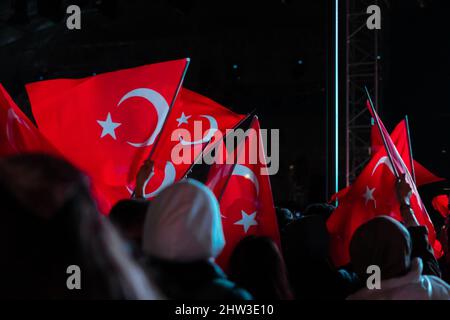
{"x":194,"y":123}
{"x":400,"y":138}
{"x":108,"y":124}
{"x":244,"y":192}
{"x":374,"y":193}
{"x":17,"y":133}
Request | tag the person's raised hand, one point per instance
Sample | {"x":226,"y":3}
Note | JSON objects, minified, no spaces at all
{"x":404,"y":193}
{"x":404,"y":190}
{"x":145,"y":171}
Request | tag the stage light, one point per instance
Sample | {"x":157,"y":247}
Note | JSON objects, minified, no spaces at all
{"x":235,"y":66}
{"x":336,"y":93}
{"x":300,"y":61}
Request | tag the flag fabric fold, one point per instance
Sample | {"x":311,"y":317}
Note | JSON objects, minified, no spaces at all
{"x":244,"y":192}
{"x":194,"y":123}
{"x":17,"y":133}
{"x":400,"y":138}
{"x":440,"y":204}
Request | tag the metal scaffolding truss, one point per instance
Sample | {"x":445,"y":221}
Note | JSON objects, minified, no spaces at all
{"x":362,"y":69}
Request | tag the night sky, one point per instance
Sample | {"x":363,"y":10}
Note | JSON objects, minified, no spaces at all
{"x":417,"y":80}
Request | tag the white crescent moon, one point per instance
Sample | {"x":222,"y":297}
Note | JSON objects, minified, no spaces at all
{"x":169,"y":178}
{"x":161,"y":107}
{"x":212,"y":130}
{"x":243,"y":171}
{"x":9,"y":132}
{"x":240,"y":171}
{"x":384,"y":160}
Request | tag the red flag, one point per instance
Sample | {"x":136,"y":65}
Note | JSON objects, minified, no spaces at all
{"x":373,"y":193}
{"x":396,"y":156}
{"x":188,"y":109}
{"x":107,"y":124}
{"x":400,"y":137}
{"x":424,"y":176}
{"x":339,"y":195}
{"x":246,"y":202}
{"x":440,"y":204}
{"x":193,"y":123}
{"x":17,"y":133}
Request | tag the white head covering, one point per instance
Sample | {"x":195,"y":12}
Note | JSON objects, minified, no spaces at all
{"x":183,"y":224}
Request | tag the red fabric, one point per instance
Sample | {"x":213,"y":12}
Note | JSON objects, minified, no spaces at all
{"x":17,"y":133}
{"x":440,"y":204}
{"x":196,"y":109}
{"x":400,"y":136}
{"x":339,"y":195}
{"x":69,"y":114}
{"x":247,"y":195}
{"x":373,"y":193}
{"x":424,"y":176}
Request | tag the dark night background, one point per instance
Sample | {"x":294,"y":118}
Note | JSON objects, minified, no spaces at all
{"x":269,"y":55}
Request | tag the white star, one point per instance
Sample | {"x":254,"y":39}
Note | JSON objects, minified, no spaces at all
{"x":108,"y":127}
{"x":368,"y":195}
{"x":247,"y":220}
{"x":183,"y":119}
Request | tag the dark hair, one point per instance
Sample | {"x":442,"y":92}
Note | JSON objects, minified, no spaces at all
{"x":129,"y":216}
{"x":307,"y":238}
{"x":306,"y":252}
{"x":49,"y":223}
{"x":256,"y":264}
{"x":284,"y":217}
{"x":384,"y":242}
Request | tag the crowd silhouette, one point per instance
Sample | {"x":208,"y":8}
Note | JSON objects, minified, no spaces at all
{"x":166,"y":248}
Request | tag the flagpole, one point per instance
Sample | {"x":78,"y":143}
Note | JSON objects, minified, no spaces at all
{"x":410,"y":149}
{"x":180,"y":83}
{"x":381,"y":133}
{"x":222,"y":192}
{"x":217,"y":142}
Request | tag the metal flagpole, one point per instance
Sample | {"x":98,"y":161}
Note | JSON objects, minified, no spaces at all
{"x":180,"y":83}
{"x":410,"y":149}
{"x":217,"y":142}
{"x":381,"y":133}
